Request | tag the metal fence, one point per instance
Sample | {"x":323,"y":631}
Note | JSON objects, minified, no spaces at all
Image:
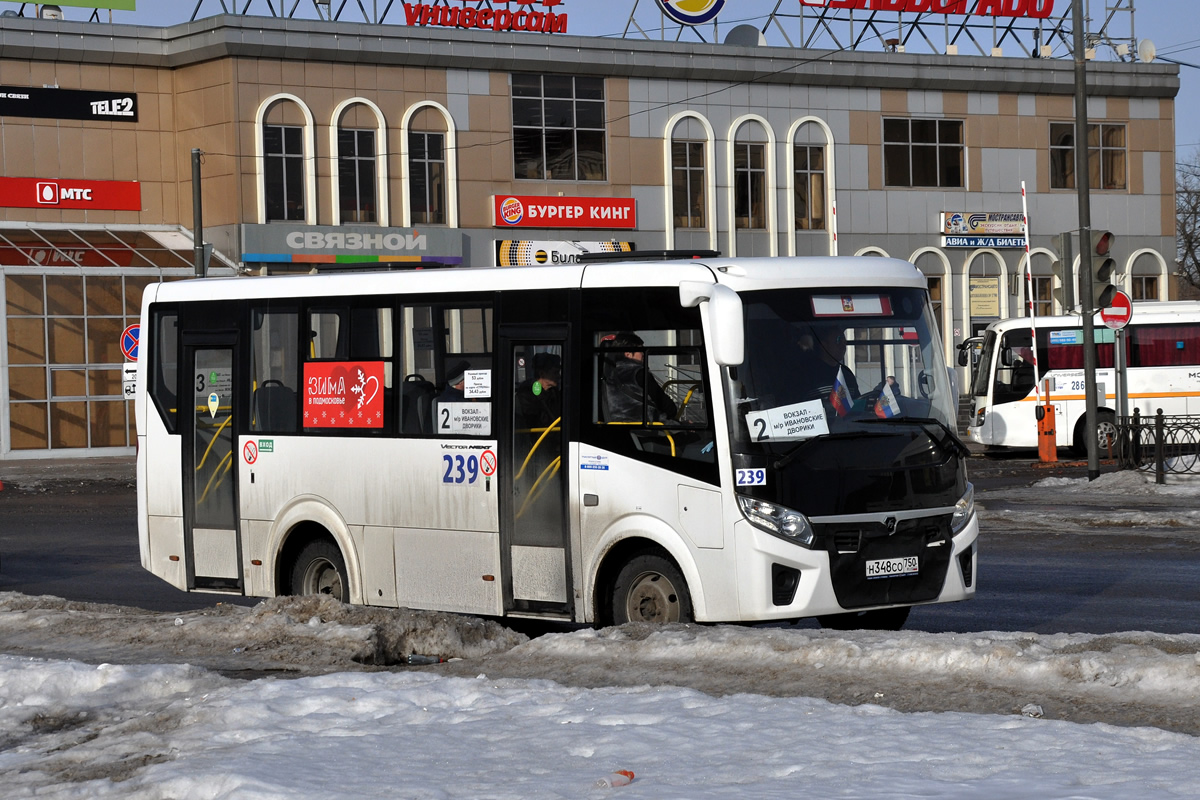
{"x":1165,"y":444}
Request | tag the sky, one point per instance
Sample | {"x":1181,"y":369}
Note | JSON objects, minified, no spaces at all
{"x":1169,"y":24}
{"x":105,"y":701}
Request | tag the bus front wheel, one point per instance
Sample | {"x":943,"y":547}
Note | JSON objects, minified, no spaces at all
{"x":881,"y":619}
{"x":320,"y":569}
{"x":650,"y":588}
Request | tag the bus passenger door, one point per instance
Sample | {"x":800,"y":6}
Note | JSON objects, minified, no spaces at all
{"x":535,"y":529}
{"x":212,"y":544}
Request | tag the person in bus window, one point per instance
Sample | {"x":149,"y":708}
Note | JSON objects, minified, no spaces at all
{"x":456,"y":378}
{"x":539,"y":400}
{"x":825,"y":357}
{"x":629,"y":386}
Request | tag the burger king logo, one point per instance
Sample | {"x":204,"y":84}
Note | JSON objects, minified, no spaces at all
{"x":691,"y":12}
{"x":512,"y":211}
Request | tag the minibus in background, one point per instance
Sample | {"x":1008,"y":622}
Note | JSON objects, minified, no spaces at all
{"x":367,"y":436}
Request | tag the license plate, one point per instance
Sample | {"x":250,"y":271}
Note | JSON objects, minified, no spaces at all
{"x":892,"y":567}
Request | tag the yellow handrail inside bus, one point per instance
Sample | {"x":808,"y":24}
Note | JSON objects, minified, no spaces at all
{"x":212,"y":441}
{"x":227,"y":462}
{"x":670,"y":438}
{"x":554,"y":426}
{"x":534,"y":492}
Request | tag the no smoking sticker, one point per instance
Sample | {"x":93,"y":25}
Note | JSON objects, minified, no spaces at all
{"x":487,"y":463}
{"x":250,"y":452}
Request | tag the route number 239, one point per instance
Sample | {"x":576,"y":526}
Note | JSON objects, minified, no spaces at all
{"x":460,"y":469}
{"x":751,"y":477}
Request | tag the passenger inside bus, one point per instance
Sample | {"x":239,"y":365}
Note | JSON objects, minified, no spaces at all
{"x":629,"y":387}
{"x":456,"y":378}
{"x":539,"y":399}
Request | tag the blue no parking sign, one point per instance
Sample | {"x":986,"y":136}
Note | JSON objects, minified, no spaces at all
{"x":129,"y":341}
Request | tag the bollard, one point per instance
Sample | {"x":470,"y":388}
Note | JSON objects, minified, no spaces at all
{"x":1047,"y":436}
{"x":1159,"y":468}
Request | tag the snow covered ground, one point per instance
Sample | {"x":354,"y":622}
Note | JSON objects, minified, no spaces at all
{"x":200,"y":705}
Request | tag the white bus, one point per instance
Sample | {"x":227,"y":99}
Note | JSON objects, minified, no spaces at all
{"x":384,"y":438}
{"x":1162,"y":356}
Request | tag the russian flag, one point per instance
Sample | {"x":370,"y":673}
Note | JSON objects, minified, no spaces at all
{"x":840,"y":396}
{"x":887,"y":406}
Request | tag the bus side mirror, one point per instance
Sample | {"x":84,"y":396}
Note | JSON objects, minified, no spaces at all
{"x":1006,"y":357}
{"x":726,"y":328}
{"x":962,"y":355}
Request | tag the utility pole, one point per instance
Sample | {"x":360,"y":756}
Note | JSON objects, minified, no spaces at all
{"x":197,"y":216}
{"x":1082,"y":176}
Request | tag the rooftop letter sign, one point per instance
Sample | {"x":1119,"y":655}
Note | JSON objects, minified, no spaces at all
{"x":532,"y":16}
{"x":1037,"y":9}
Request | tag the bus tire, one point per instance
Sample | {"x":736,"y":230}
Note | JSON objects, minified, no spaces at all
{"x":320,"y":569}
{"x":650,"y":588}
{"x":881,"y":619}
{"x":1106,"y":434}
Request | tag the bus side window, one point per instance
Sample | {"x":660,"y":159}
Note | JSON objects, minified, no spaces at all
{"x":326,"y":339}
{"x":274,"y":371}
{"x":437,"y":339}
{"x":164,"y":367}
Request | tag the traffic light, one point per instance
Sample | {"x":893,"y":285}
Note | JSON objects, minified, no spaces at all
{"x":1103,"y":266}
{"x":1064,"y":273}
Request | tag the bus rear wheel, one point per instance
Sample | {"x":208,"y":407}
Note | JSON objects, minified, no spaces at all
{"x":320,"y":569}
{"x":650,"y":588}
{"x":881,"y":619}
{"x":1106,"y":434}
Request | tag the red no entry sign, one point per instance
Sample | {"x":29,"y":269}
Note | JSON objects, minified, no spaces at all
{"x":1117,"y":315}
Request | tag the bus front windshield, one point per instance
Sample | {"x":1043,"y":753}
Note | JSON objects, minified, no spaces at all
{"x":822,"y":362}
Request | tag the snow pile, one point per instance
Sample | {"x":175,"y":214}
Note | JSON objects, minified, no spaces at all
{"x":1116,"y":503}
{"x":305,"y":634}
{"x":74,"y":731}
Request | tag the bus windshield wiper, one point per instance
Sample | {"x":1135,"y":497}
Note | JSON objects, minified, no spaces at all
{"x":949,"y":442}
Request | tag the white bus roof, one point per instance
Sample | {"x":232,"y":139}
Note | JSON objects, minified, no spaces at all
{"x":740,"y":274}
{"x":1144,"y":312}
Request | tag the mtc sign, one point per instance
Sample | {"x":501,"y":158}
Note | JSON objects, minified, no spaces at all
{"x":72,"y":194}
{"x":1037,"y":9}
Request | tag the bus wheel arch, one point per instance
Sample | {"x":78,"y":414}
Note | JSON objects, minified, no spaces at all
{"x":297,"y":528}
{"x":640,"y":581}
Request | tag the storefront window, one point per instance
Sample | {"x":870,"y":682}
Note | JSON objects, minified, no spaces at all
{"x":559,"y":128}
{"x":923,"y":153}
{"x":65,"y":388}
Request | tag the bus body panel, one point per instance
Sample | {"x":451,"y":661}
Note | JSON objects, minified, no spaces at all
{"x":625,"y":510}
{"x":401,"y":496}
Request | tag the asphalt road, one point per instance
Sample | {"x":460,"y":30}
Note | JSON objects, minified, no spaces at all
{"x":77,"y":539}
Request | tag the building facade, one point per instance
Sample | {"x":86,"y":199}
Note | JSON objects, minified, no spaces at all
{"x":333,"y":145}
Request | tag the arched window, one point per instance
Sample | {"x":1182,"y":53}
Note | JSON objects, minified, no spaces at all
{"x":359,"y":138}
{"x":430,"y":166}
{"x":287,"y":179}
{"x":751,"y":148}
{"x":689,"y":174}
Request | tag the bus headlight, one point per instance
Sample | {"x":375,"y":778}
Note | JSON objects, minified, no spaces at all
{"x":779,"y":520}
{"x":964,"y":509}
